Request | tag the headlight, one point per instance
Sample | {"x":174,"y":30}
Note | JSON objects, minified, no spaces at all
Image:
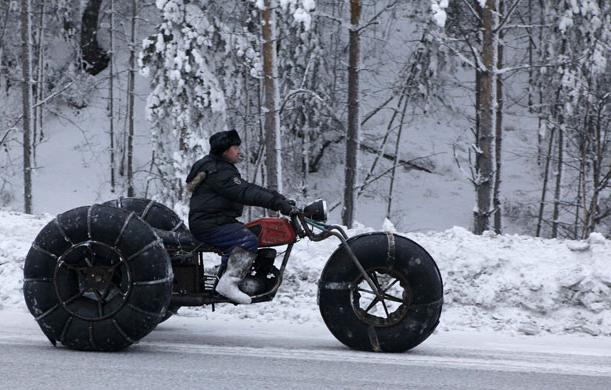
{"x":316,"y":210}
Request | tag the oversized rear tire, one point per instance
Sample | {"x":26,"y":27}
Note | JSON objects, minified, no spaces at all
{"x":97,"y":278}
{"x":410,"y":309}
{"x":158,"y":216}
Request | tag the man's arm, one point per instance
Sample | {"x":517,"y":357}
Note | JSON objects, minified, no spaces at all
{"x":229,"y":184}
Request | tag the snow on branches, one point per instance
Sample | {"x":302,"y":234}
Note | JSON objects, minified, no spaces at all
{"x":187,"y":103}
{"x":300,"y":9}
{"x":438,"y":7}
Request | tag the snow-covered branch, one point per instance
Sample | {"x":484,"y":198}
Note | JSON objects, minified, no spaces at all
{"x":526,"y":66}
{"x":54,"y":94}
{"x":462,"y":57}
{"x":296,"y":92}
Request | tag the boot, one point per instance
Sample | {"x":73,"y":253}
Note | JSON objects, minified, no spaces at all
{"x":238,"y":265}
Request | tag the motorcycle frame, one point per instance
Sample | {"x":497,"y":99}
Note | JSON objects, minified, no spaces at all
{"x":303,"y":226}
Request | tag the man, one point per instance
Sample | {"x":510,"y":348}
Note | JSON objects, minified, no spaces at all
{"x":219,"y":196}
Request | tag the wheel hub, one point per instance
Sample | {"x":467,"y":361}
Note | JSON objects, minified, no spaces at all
{"x":389,"y":306}
{"x":97,"y":278}
{"x":92,"y":280}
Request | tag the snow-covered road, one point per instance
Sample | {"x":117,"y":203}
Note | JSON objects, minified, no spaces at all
{"x":193,"y":352}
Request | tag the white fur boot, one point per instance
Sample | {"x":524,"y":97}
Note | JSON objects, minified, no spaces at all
{"x":238,"y":265}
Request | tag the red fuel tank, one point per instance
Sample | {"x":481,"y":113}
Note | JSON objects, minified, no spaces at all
{"x":273,"y":231}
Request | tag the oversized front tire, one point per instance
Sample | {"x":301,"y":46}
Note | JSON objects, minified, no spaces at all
{"x":97,"y":278}
{"x":409,"y":309}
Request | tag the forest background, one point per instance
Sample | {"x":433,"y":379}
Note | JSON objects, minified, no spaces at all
{"x":488,"y":114}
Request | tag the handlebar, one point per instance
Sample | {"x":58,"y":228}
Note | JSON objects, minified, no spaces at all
{"x":297,"y":225}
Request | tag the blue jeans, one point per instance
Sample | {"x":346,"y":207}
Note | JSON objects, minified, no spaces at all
{"x":227,"y":237}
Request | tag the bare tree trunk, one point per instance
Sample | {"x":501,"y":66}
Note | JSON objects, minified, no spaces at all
{"x":581,"y":180}
{"x":540,"y":83}
{"x":485,"y":141}
{"x":496,"y":201}
{"x":600,"y":177}
{"x":530,"y":55}
{"x":558,"y":174}
{"x":130,"y":102}
{"x":337,"y":12}
{"x":38,"y":110}
{"x":247,"y":135}
{"x":271,"y":96}
{"x":580,"y":186}
{"x":353,"y":130}
{"x":558,"y":117}
{"x":305,"y":159}
{"x":396,"y":162}
{"x":26,"y":56}
{"x":383,"y":143}
{"x":3,"y":23}
{"x":111,"y":97}
{"x":402,"y":95}
{"x":545,"y":180}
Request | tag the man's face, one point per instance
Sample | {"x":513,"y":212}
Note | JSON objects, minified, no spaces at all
{"x":232,"y":154}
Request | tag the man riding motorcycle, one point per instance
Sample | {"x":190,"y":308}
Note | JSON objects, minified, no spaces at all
{"x":219,"y":195}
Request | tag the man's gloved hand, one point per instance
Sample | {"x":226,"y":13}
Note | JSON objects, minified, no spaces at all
{"x":287,"y":207}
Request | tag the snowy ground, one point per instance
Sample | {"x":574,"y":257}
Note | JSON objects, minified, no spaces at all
{"x":512,"y":284}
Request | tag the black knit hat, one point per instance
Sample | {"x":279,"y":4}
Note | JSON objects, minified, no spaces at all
{"x":223,"y":140}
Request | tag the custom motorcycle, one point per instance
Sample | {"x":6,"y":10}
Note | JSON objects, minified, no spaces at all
{"x":102,"y":277}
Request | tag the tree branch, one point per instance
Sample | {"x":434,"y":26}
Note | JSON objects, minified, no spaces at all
{"x":296,"y":92}
{"x":472,"y":10}
{"x":377,"y":109}
{"x":331,"y":17}
{"x":460,"y":55}
{"x":5,"y":135}
{"x":373,"y":19}
{"x":51,"y":96}
{"x":507,"y":16}
{"x":407,"y":164}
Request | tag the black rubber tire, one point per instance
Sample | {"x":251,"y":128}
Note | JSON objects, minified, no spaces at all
{"x":158,"y":216}
{"x":398,"y":255}
{"x":105,"y":245}
{"x":154,"y":213}
{"x":172,"y":309}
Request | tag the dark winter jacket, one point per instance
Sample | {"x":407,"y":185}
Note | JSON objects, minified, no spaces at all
{"x":220,"y":197}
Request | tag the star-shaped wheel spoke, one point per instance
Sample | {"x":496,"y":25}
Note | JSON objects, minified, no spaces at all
{"x":372,"y":304}
{"x":386,"y":294}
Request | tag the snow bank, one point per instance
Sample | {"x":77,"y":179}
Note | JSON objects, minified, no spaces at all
{"x":17,"y":231}
{"x":493,"y":282}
